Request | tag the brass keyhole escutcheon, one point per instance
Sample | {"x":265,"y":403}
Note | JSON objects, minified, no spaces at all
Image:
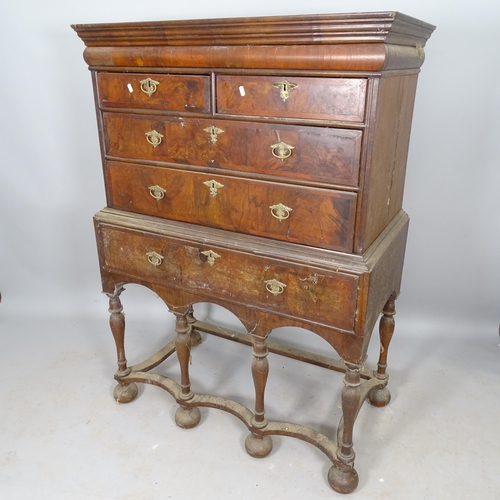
{"x":154,"y":138}
{"x":149,"y":86}
{"x":214,"y":186}
{"x":154,"y":258}
{"x":214,"y":133}
{"x":280,"y":211}
{"x":282,"y":150}
{"x":211,"y":256}
{"x":157,"y":192}
{"x":275,"y":287}
{"x":284,"y":88}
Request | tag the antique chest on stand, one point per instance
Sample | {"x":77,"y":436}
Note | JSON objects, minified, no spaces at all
{"x":259,"y":164}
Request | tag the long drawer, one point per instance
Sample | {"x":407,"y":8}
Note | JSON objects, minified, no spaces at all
{"x":239,"y":276}
{"x":326,"y":155}
{"x":311,"y":216}
{"x":331,"y":99}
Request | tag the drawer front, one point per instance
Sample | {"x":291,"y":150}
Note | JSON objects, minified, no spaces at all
{"x":332,"y":99}
{"x":318,"y":217}
{"x":162,"y":92}
{"x":286,"y":288}
{"x":325,"y":155}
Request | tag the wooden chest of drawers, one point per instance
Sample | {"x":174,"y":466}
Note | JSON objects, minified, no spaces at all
{"x":259,"y":164}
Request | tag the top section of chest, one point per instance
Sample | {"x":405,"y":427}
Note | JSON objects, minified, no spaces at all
{"x":343,"y":42}
{"x":314,"y":106}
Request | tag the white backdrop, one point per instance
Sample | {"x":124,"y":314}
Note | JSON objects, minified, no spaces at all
{"x":51,"y":182}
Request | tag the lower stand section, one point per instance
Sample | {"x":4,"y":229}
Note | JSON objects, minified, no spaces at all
{"x":359,"y":385}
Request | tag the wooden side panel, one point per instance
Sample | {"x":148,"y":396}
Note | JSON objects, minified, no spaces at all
{"x":341,"y":99}
{"x":386,"y":155}
{"x":385,"y":277}
{"x":318,"y":217}
{"x":409,"y":89}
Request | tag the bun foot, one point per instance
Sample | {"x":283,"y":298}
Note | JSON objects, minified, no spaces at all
{"x":380,"y":397}
{"x":187,"y":418}
{"x":195,"y":338}
{"x":125,"y":393}
{"x":343,"y":481}
{"x":258,"y":446}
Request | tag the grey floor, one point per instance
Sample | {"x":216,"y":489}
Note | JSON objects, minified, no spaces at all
{"x":63,"y":437}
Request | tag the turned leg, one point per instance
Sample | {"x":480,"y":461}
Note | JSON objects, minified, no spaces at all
{"x":342,"y":476}
{"x":381,"y":396}
{"x":256,"y":445}
{"x":185,"y":416}
{"x":194,"y":336}
{"x":123,"y":392}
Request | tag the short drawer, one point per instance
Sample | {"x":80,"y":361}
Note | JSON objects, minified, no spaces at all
{"x":239,"y":276}
{"x":332,"y":99}
{"x":161,"y":92}
{"x":326,"y":155}
{"x":311,"y":216}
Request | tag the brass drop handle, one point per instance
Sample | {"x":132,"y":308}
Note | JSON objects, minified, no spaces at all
{"x":149,"y":86}
{"x":275,"y":287}
{"x":211,"y":256}
{"x":154,"y":138}
{"x":280,"y":211}
{"x":157,"y":192}
{"x":284,"y":88}
{"x":154,"y":258}
{"x":282,"y":150}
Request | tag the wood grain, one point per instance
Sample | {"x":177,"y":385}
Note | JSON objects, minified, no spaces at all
{"x":328,"y":155}
{"x":331,"y":99}
{"x":356,"y":28}
{"x":237,"y":275}
{"x":183,"y":93}
{"x":319,"y":217}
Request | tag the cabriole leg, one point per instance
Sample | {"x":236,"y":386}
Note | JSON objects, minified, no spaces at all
{"x":256,"y":445}
{"x":185,"y":416}
{"x":381,"y":396}
{"x":343,"y":477}
{"x":123,"y":393}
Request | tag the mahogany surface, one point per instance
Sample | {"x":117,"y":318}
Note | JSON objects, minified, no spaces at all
{"x":259,"y":164}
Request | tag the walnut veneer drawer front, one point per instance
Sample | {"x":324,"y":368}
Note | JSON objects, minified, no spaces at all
{"x":311,"y":216}
{"x":326,"y":155}
{"x":333,"y":99}
{"x":284,"y":288}
{"x":161,"y":92}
